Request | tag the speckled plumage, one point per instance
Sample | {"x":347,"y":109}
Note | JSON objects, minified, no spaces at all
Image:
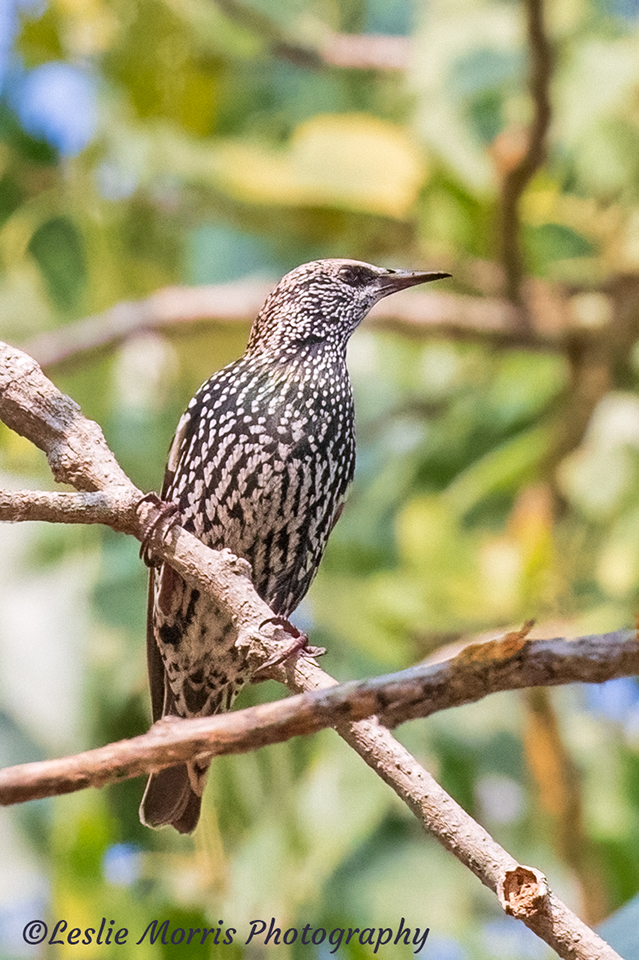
{"x":261,"y":463}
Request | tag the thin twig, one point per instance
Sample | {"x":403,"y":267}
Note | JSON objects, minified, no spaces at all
{"x":278,"y":40}
{"x":522,"y":891}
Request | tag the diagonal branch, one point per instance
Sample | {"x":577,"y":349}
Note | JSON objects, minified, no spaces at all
{"x":280,"y":43}
{"x":78,"y":453}
{"x":33,"y":407}
{"x":343,"y":50}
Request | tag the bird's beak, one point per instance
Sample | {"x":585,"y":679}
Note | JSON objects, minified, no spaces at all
{"x":400,"y":279}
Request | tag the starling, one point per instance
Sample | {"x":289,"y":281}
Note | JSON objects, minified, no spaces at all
{"x":260,"y":463}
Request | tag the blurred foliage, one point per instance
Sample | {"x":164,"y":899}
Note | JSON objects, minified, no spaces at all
{"x":211,"y":158}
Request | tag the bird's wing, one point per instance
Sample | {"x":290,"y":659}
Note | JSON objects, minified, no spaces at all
{"x":155,"y":664}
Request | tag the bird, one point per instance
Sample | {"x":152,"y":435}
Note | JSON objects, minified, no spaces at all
{"x":260,"y":464}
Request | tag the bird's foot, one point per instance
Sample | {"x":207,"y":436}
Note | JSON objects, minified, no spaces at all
{"x":168,"y":516}
{"x":298,"y":646}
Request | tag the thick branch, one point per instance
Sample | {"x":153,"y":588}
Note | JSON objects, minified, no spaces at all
{"x":78,"y":454}
{"x":60,"y":429}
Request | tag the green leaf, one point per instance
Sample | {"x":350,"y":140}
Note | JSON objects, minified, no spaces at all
{"x":58,"y":249}
{"x":39,"y":39}
{"x":554,"y":241}
{"x":502,"y":469}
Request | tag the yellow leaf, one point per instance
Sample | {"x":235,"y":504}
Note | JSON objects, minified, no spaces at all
{"x":350,"y":161}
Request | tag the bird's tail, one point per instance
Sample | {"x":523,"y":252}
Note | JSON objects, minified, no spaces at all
{"x":174,"y":796}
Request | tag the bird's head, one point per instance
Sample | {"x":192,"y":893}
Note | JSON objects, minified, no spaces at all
{"x":324,"y":301}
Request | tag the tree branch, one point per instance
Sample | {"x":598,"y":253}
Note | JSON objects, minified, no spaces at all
{"x":109,"y":507}
{"x":77,"y":453}
{"x":279,"y":42}
{"x":171,"y":307}
{"x":75,"y":447}
{"x":343,"y":50}
{"x":175,"y":309}
{"x":518,"y":176}
{"x":511,"y":662}
{"x":362,"y":51}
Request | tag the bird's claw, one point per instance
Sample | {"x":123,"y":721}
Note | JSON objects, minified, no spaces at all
{"x":298,"y":646}
{"x":166,"y":517}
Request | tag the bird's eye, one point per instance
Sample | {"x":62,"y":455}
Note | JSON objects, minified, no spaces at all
{"x":354,"y":275}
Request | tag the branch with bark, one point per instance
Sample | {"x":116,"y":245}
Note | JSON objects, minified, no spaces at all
{"x":78,"y":454}
{"x":347,"y":51}
{"x":510,"y":662}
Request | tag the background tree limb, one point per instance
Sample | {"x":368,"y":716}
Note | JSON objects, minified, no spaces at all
{"x":485,"y":319}
{"x":517,"y":178}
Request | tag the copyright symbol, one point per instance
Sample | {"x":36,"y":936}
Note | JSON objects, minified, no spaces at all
{"x":35,"y":931}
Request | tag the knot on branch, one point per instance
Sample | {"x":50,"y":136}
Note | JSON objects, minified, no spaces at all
{"x":523,"y":892}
